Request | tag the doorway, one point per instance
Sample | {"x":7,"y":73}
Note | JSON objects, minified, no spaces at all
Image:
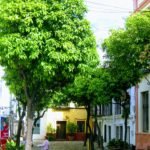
{"x":61,"y":130}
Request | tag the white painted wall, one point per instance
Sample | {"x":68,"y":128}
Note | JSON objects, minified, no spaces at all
{"x":5,"y":95}
{"x":43,"y":125}
{"x":49,"y":117}
{"x":142,"y":87}
{"x":117,"y":120}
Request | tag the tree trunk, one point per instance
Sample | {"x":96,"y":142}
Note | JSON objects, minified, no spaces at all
{"x":30,"y":114}
{"x":99,"y":136}
{"x":21,"y":116}
{"x":86,"y":135}
{"x":18,"y":133}
{"x":90,"y":135}
{"x":34,"y":124}
{"x":125,"y":128}
{"x":126,"y":116}
{"x":39,"y":115}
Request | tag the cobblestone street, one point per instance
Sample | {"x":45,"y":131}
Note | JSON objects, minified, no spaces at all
{"x":62,"y":145}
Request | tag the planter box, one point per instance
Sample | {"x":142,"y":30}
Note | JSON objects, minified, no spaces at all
{"x":113,"y":148}
{"x":51,"y":136}
{"x":70,"y":137}
{"x":80,"y":136}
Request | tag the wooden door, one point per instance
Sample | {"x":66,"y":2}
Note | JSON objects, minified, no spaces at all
{"x":61,"y":130}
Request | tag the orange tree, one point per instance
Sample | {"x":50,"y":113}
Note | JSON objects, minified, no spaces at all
{"x":90,"y":89}
{"x":43,"y":45}
{"x":128,"y":58}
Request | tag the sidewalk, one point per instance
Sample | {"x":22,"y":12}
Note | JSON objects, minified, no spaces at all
{"x":62,"y":145}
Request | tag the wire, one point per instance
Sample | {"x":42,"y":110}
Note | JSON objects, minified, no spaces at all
{"x":98,"y":8}
{"x":102,"y":4}
{"x":99,"y":11}
{"x":108,"y":10}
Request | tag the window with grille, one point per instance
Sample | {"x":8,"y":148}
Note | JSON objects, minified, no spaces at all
{"x":119,"y":132}
{"x":145,"y":110}
{"x":109,"y":132}
{"x":105,"y":133}
{"x":117,"y":109}
{"x":80,"y":126}
{"x":37,"y":128}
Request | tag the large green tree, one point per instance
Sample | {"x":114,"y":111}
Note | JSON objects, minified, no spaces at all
{"x":88,"y":90}
{"x":128,"y":58}
{"x":43,"y":44}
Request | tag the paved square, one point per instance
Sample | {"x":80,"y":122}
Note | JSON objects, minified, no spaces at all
{"x":63,"y":145}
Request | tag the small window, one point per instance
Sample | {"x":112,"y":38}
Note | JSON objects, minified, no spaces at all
{"x":37,"y":128}
{"x":117,"y":109}
{"x":80,"y":126}
{"x":107,"y":109}
{"x":128,"y":134}
{"x":109,"y":131}
{"x":105,"y":133}
{"x":119,"y":132}
{"x":145,"y":108}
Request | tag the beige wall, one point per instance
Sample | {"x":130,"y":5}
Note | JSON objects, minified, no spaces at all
{"x":54,"y":115}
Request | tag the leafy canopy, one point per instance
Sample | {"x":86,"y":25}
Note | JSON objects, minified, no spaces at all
{"x":44,"y":41}
{"x":43,"y":45}
{"x":128,"y":50}
{"x":90,"y":88}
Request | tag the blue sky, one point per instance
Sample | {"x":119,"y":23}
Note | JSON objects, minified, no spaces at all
{"x":105,"y":15}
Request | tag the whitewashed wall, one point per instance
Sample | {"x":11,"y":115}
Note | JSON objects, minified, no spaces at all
{"x":5,"y":95}
{"x":117,"y":120}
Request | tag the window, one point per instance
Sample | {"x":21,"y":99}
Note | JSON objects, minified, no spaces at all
{"x":145,"y":109}
{"x":106,"y":110}
{"x":117,"y":109}
{"x":100,"y":128}
{"x":37,"y":128}
{"x":80,"y":126}
{"x":128,"y":134}
{"x":98,"y":110}
{"x":105,"y":133}
{"x":109,"y":132}
{"x":119,"y":132}
{"x":92,"y":112}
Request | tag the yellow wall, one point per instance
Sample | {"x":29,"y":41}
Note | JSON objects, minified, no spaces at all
{"x":54,"y":115}
{"x":71,"y":115}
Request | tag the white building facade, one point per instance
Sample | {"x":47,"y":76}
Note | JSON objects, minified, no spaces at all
{"x":143,"y":114}
{"x":5,"y":96}
{"x":111,"y":122}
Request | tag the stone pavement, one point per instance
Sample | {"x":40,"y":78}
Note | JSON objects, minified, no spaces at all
{"x":62,"y":145}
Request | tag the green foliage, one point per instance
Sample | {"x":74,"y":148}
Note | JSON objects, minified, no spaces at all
{"x":128,"y":58}
{"x":128,"y":49}
{"x":11,"y":145}
{"x":117,"y":144}
{"x":51,"y":137}
{"x":50,"y":129}
{"x":89,"y":88}
{"x":43,"y":45}
{"x":71,"y":127}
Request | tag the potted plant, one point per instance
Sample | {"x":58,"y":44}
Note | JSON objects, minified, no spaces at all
{"x":51,"y":132}
{"x":71,"y":130}
{"x":117,"y":144}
